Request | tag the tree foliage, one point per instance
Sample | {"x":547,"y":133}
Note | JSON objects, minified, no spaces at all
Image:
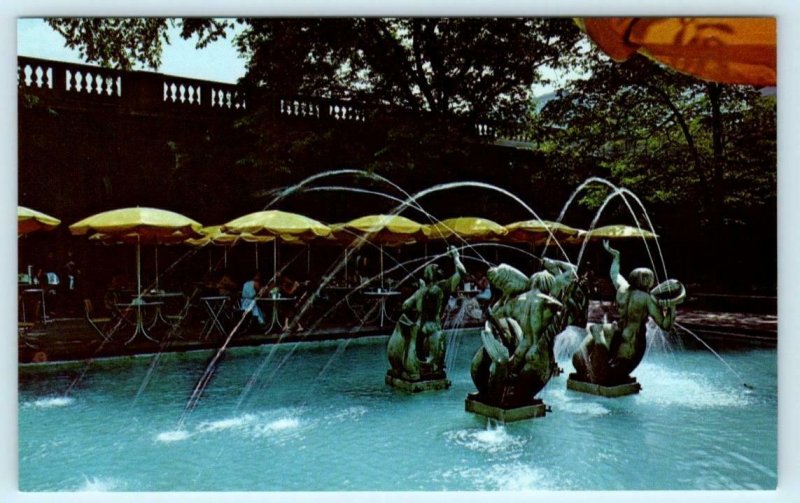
{"x":672,"y":138}
{"x":461,"y":66}
{"x":701,"y":155}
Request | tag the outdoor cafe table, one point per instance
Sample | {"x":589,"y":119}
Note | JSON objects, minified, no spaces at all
{"x":275,"y":301}
{"x":138,"y":306}
{"x":37,"y":292}
{"x":215,"y":305}
{"x":382,"y":295}
{"x":156,"y":298}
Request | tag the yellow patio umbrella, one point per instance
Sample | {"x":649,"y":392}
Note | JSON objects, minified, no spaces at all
{"x":138,"y":225}
{"x":538,"y":232}
{"x":213,"y":235}
{"x":288,"y":227}
{"x":29,"y":220}
{"x":616,"y":232}
{"x":252,"y":238}
{"x":468,"y":228}
{"x":732,"y":50}
{"x":277,"y":223}
{"x":389,"y":230}
{"x":177,"y":237}
{"x":380,"y":229}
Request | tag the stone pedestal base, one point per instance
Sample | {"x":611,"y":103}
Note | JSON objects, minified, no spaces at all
{"x":536,"y":409}
{"x":629,"y":388}
{"x":417,"y":386}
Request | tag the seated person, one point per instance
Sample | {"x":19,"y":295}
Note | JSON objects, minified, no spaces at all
{"x":485,"y":296}
{"x":475,"y":307}
{"x":250,"y":291}
{"x":225,"y":284}
{"x":288,"y":287}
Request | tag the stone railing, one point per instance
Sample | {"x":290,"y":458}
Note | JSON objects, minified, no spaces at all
{"x":85,"y":85}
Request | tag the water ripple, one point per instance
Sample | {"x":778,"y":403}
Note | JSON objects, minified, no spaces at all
{"x":490,"y":440}
{"x":48,"y":402}
{"x":97,"y":484}
{"x":505,"y":477}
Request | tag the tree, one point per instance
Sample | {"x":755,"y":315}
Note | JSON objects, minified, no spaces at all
{"x":701,"y":155}
{"x":461,"y":66}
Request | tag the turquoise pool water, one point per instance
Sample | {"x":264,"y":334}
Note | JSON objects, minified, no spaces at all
{"x":318,"y":417}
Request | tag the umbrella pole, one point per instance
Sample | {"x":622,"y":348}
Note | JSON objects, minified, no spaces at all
{"x":381,"y":266}
{"x":346,"y":276}
{"x":225,"y":256}
{"x":156,"y":260}
{"x":256,"y":247}
{"x":275,"y":260}
{"x":138,"y":269}
{"x":308,"y":259}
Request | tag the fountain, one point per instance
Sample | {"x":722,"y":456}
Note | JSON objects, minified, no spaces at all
{"x":323,"y":404}
{"x":516,"y":359}
{"x":416,"y":349}
{"x":611,"y":351}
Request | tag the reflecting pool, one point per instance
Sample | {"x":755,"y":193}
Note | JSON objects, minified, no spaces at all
{"x":318,"y":417}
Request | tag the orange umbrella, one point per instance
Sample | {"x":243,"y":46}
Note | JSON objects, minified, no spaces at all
{"x":721,"y":49}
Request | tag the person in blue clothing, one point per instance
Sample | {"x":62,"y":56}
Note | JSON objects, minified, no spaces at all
{"x":250,"y":291}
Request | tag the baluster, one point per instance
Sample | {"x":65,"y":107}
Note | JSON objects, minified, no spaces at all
{"x":49,"y":74}
{"x":78,"y":81}
{"x":39,"y":80}
{"x":28,"y":71}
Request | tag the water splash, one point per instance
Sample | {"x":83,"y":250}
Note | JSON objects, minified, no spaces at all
{"x":99,"y":484}
{"x":567,"y":342}
{"x":491,"y":440}
{"x":670,"y":388}
{"x":704,"y":343}
{"x":621,"y":192}
{"x":505,"y":476}
{"x":173,"y":436}
{"x":282,"y":424}
{"x":51,"y":402}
